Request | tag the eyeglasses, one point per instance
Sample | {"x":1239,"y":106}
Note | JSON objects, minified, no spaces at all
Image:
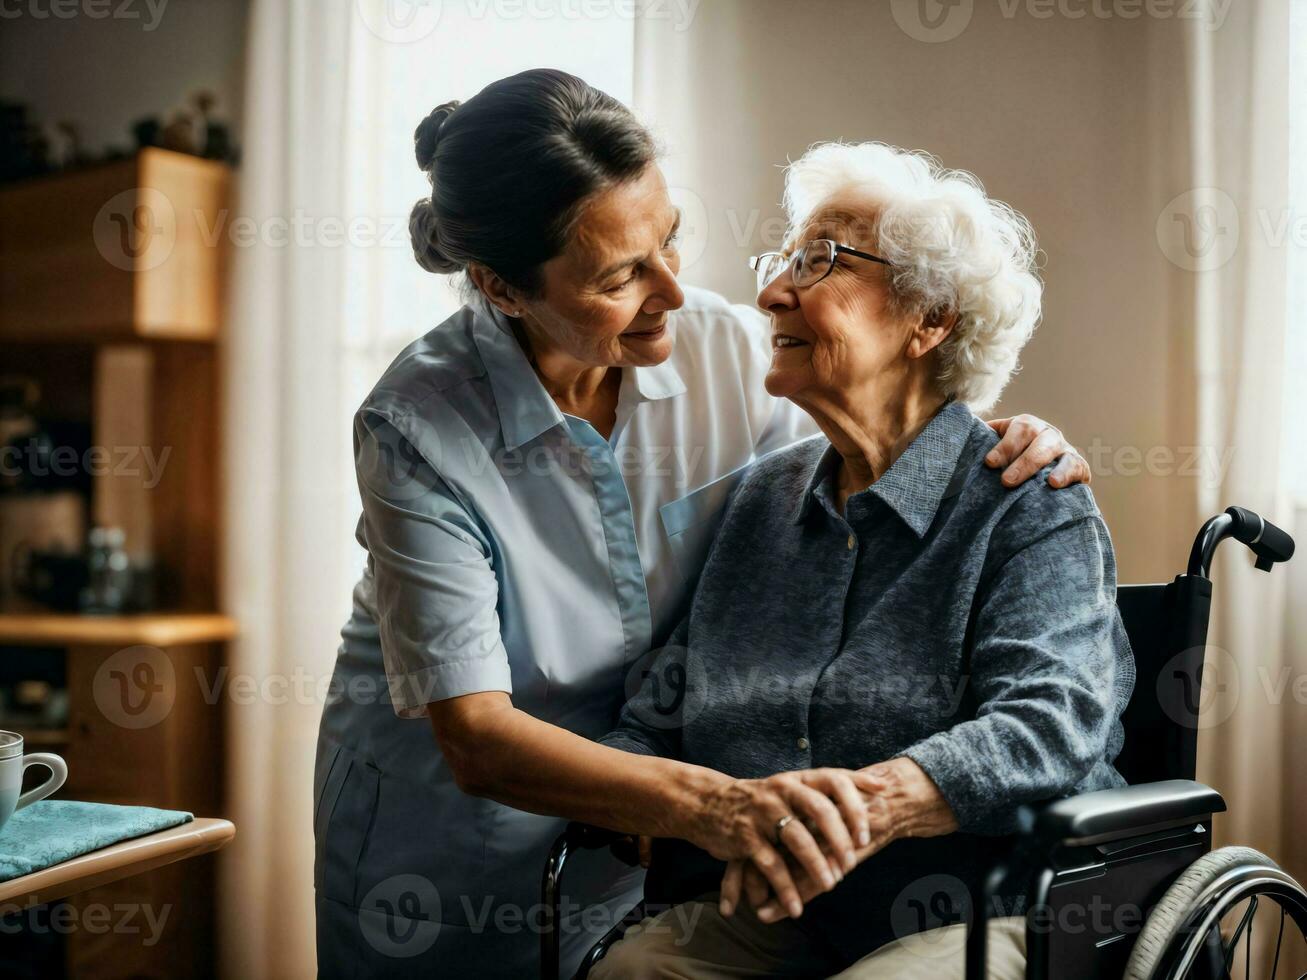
{"x":811,"y":264}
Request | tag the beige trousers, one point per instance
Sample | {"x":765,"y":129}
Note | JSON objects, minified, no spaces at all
{"x":693,"y":942}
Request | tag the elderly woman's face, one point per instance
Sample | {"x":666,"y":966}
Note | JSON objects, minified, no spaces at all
{"x":606,"y":297}
{"x":840,"y":335}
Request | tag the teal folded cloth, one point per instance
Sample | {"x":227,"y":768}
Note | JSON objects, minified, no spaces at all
{"x":52,"y":831}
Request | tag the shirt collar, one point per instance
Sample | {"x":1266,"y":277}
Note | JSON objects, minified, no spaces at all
{"x":525,"y":408}
{"x":660,"y":380}
{"x":919,"y":480}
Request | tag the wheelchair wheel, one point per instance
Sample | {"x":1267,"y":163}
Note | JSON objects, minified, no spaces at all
{"x":1186,"y":935}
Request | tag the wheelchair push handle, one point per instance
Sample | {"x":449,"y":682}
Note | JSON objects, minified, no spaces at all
{"x":1268,"y":543}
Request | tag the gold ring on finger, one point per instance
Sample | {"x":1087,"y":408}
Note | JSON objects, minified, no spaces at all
{"x":781,"y":824}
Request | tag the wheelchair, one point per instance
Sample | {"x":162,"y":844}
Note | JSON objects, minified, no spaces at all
{"x":1146,"y":846}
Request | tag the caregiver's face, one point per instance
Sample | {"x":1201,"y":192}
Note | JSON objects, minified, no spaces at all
{"x":840,"y":334}
{"x":606,"y":297}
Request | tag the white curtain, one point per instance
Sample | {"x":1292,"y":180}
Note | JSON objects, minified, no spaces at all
{"x":1248,"y":112}
{"x":289,"y":492}
{"x":324,"y":293}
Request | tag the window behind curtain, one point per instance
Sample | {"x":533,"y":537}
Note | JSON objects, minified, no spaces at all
{"x":408,"y":56}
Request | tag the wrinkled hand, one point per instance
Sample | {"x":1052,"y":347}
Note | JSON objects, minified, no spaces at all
{"x":737,"y":823}
{"x":1028,"y":444}
{"x":746,"y":878}
{"x":899,"y":800}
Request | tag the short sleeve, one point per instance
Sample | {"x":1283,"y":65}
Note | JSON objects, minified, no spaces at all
{"x":436,"y":591}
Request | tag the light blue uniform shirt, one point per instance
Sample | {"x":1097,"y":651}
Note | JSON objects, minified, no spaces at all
{"x":510,"y":548}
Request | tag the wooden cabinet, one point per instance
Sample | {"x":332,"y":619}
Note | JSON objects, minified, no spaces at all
{"x":126,"y":250}
{"x":143,"y":725}
{"x":144,"y":728}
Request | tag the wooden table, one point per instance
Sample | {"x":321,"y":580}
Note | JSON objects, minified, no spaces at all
{"x":121,"y":860}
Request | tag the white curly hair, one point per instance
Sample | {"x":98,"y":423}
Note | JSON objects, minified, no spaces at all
{"x":951,"y":248}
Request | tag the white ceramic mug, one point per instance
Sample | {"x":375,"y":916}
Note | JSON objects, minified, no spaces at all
{"x":12,"y":766}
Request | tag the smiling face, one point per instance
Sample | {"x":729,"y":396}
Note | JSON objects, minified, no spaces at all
{"x":841,"y":341}
{"x":605,"y":299}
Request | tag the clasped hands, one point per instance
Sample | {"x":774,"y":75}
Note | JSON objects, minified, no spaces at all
{"x":837,"y":819}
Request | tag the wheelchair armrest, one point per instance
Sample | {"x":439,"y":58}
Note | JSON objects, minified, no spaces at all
{"x":1092,"y":818}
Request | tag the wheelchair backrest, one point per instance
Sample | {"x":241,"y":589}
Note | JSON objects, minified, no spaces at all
{"x":1167,"y":626}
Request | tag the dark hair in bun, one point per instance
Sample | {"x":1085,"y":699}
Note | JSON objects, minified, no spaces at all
{"x":428,"y":132}
{"x":510,"y":168}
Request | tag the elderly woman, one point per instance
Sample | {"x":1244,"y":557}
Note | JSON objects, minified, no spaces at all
{"x":875,"y":600}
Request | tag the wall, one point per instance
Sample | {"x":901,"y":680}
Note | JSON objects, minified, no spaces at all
{"x":104,"y":73}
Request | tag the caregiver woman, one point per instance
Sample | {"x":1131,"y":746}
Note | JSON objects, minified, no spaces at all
{"x":541,"y":476}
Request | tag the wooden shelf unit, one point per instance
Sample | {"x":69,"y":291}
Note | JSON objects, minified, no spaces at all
{"x":153,"y":629}
{"x":111,"y":288}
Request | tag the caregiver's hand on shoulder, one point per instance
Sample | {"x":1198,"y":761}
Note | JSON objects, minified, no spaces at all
{"x":738,"y":822}
{"x":900,"y":801}
{"x":1028,"y":444}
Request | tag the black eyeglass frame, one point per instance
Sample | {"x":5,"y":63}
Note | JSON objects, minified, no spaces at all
{"x":756,"y":260}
